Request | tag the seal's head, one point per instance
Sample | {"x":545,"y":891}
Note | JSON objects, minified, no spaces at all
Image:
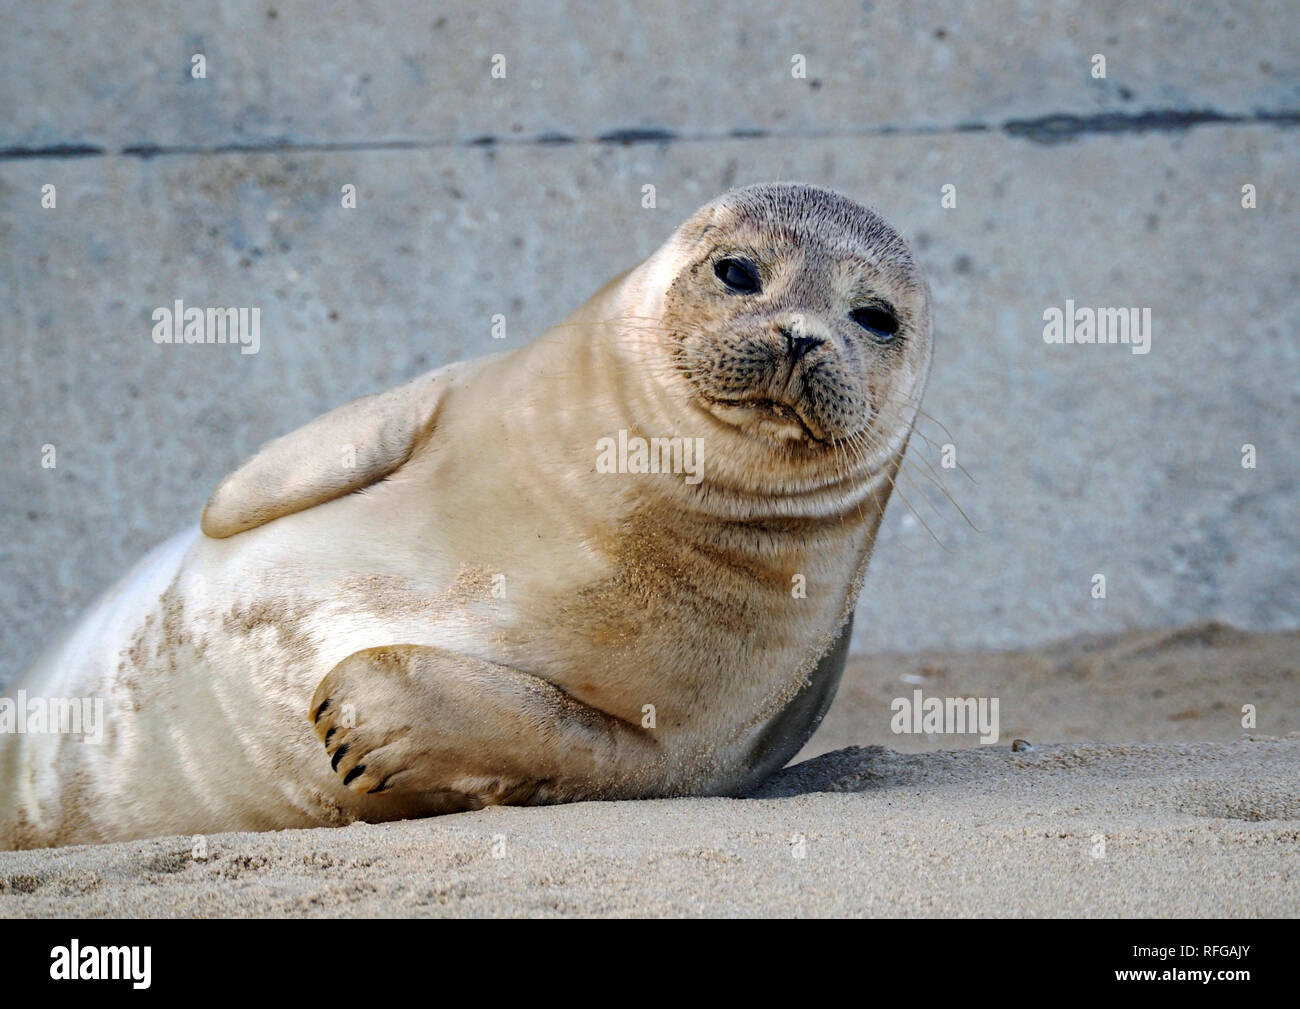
{"x":798,"y":320}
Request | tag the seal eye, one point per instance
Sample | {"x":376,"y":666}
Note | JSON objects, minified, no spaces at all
{"x":879,"y":322}
{"x":740,"y":275}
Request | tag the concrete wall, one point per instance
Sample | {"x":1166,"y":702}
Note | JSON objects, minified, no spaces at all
{"x":521,"y":195}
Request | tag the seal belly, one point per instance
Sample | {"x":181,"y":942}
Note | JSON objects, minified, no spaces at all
{"x":51,"y":774}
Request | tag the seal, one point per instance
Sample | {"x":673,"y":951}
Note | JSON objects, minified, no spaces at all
{"x":618,"y":562}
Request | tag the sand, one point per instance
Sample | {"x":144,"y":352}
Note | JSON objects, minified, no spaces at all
{"x":1199,"y":818}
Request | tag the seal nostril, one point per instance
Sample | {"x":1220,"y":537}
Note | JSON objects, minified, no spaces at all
{"x":797,"y":346}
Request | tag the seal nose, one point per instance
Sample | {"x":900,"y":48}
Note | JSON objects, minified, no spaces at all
{"x":797,"y":346}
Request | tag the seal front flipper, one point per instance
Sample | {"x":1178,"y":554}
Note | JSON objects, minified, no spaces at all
{"x":424,"y":721}
{"x":343,"y":451}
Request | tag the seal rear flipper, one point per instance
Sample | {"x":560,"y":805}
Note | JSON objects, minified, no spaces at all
{"x":409,"y":721}
{"x":347,"y":449}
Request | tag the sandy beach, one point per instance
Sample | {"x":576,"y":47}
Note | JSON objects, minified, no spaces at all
{"x":1200,"y":818}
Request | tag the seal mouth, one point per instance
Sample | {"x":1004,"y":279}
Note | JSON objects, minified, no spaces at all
{"x":776,"y":418}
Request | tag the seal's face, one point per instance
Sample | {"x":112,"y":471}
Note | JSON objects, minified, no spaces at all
{"x":799,"y":319}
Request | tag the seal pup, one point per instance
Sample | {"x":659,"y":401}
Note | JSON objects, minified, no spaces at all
{"x":479,"y":588}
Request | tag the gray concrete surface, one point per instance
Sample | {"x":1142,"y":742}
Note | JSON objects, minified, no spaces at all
{"x":1082,"y":460}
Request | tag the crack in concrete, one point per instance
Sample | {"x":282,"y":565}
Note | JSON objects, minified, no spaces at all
{"x":1063,"y":128}
{"x":1051,"y":129}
